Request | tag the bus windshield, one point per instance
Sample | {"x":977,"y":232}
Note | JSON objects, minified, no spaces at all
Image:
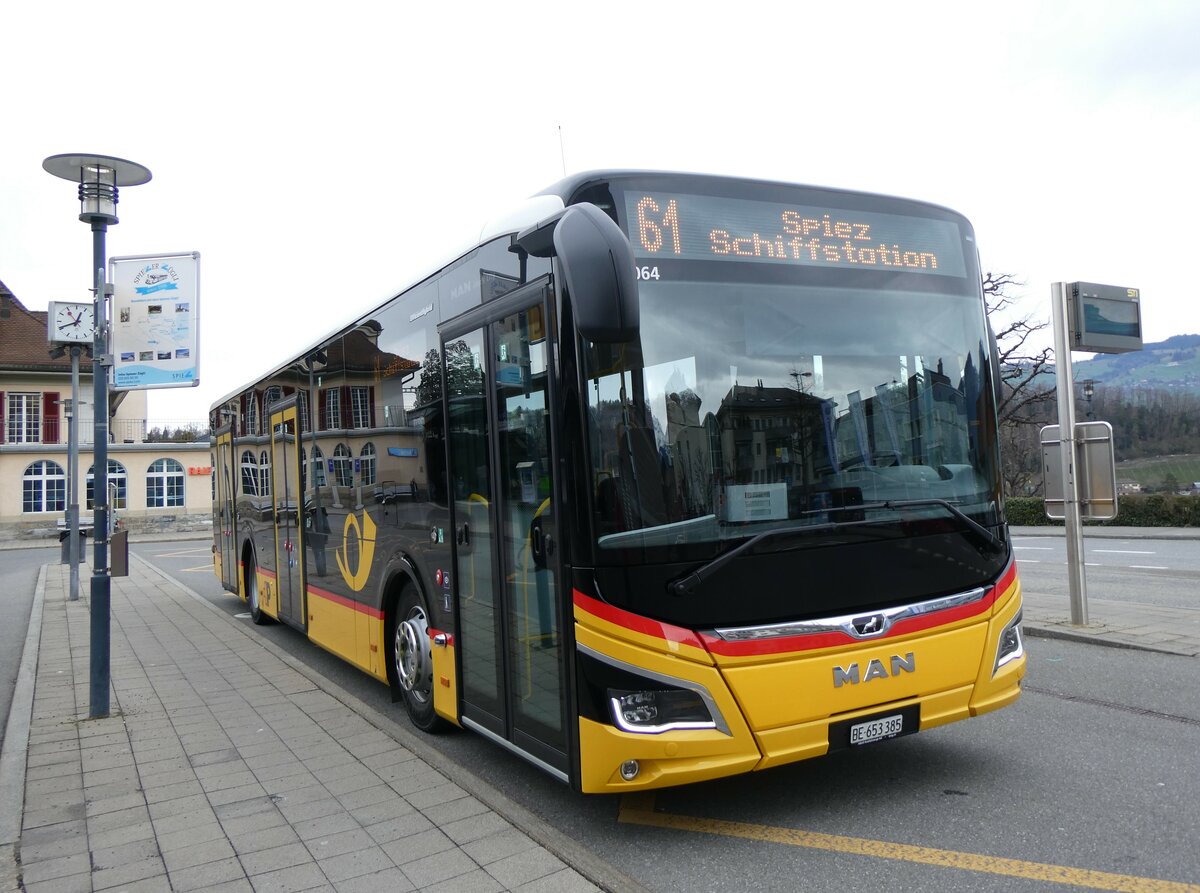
{"x":774,"y":395}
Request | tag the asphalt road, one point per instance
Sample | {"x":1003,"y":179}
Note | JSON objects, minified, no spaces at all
{"x":1145,"y":571}
{"x":1091,"y":780}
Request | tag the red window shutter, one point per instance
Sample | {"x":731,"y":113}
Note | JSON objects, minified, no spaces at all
{"x":3,"y":420}
{"x":347,"y":409}
{"x":50,"y":432}
{"x":371,"y":405}
{"x":322,"y":403}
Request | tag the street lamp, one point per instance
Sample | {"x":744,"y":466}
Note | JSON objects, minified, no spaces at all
{"x":1089,"y":391}
{"x":99,"y":177}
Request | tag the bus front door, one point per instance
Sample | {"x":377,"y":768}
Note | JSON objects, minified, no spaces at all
{"x":285,"y":491}
{"x":509,"y":641}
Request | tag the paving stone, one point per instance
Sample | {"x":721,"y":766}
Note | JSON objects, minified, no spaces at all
{"x":121,"y":834}
{"x":188,"y":857}
{"x":122,"y":854}
{"x":477,"y":881}
{"x":352,"y":864}
{"x":275,"y":858}
{"x":179,"y":840}
{"x":203,"y":877}
{"x":392,"y":880}
{"x":338,"y":843}
{"x":522,"y":868}
{"x":127,"y":873}
{"x":62,"y":866}
{"x":287,"y":880}
{"x":399,"y":827}
{"x":417,"y":846}
{"x":450,"y":863}
{"x":565,"y":881}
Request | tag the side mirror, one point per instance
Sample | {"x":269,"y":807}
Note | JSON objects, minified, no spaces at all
{"x":597,"y":263}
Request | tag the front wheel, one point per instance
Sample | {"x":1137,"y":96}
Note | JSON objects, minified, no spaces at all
{"x":411,"y":659}
{"x":251,"y":583}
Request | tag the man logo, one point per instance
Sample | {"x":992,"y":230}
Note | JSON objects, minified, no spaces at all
{"x":365,"y":537}
{"x":876,"y":669}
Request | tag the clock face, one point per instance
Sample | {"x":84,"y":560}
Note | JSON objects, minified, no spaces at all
{"x":72,"y":322}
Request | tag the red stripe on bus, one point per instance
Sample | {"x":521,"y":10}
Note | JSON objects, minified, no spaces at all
{"x":636,"y":622}
{"x":345,"y":602}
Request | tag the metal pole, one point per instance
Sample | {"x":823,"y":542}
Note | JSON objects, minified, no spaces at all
{"x":101,"y":582}
{"x":1076,"y":577}
{"x":73,"y":475}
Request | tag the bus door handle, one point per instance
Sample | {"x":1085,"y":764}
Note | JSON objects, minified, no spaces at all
{"x":463,"y":536}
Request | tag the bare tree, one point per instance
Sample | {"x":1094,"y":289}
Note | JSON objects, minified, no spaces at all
{"x":1021,"y":367}
{"x":1027,"y":393}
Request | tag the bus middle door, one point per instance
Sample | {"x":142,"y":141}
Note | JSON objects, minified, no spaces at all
{"x":286,"y":491}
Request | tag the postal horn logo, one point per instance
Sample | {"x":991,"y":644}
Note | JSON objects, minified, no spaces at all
{"x":364,"y":535}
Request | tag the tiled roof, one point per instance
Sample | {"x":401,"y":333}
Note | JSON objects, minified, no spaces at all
{"x":23,"y":345}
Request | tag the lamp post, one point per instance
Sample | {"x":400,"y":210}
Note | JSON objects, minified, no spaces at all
{"x":99,"y":177}
{"x":1089,"y":391}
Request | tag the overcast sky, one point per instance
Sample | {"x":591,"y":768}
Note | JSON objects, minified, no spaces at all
{"x":322,"y":156}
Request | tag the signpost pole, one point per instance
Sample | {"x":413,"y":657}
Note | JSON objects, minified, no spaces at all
{"x":1076,"y":577}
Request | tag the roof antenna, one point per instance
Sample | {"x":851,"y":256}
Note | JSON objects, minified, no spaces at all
{"x":562,"y":153}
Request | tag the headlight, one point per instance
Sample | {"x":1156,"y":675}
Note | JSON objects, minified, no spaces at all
{"x":1012,"y":643}
{"x":651,"y":712}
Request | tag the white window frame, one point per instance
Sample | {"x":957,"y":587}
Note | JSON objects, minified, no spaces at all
{"x":165,"y":485}
{"x":24,"y":417}
{"x":43,"y":480}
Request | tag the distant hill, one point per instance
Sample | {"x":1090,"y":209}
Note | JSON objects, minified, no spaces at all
{"x":1172,"y":365}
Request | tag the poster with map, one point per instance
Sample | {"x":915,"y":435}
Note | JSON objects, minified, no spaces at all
{"x":155,"y":321}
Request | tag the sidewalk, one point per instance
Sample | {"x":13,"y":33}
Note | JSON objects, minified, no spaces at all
{"x":1111,"y":621}
{"x":227,"y":766}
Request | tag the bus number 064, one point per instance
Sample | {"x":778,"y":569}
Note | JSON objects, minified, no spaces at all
{"x":646,"y":272}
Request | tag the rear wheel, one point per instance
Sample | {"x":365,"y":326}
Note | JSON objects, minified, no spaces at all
{"x":411,"y":659}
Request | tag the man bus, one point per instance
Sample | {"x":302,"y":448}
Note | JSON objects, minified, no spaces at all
{"x":669,"y":477}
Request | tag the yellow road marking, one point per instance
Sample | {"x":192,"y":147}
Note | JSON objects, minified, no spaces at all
{"x":638,"y":809}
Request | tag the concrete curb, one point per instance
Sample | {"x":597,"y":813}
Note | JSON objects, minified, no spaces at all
{"x":16,"y":742}
{"x":578,"y":857}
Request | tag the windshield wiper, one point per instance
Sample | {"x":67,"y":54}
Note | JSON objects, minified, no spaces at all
{"x":973,"y":527}
{"x":687,"y":584}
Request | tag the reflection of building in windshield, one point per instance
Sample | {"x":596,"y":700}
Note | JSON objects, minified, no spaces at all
{"x":772,"y":435}
{"x":922,"y":422}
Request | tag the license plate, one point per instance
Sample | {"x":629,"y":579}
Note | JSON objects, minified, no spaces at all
{"x":876,"y":729}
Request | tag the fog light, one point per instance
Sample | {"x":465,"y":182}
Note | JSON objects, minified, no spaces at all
{"x":1011,"y":645}
{"x":630,"y":769}
{"x":661,"y":710}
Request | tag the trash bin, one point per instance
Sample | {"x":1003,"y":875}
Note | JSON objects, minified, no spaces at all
{"x":64,"y":541}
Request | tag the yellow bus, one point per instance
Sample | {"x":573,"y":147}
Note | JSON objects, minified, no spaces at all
{"x":669,"y":477}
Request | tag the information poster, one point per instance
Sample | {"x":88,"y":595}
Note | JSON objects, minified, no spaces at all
{"x":155,"y":341}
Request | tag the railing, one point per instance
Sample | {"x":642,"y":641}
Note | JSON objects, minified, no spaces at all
{"x":158,"y":430}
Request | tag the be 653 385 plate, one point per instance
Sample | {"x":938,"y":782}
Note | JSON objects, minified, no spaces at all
{"x":881,"y":726}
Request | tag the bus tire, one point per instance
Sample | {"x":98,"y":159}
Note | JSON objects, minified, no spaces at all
{"x":251,"y":584}
{"x":410,"y":658}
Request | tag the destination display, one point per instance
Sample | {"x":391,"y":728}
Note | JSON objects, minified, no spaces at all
{"x":704,"y":227}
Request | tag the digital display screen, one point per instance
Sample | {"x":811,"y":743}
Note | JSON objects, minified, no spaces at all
{"x":1104,"y":318}
{"x":704,"y":227}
